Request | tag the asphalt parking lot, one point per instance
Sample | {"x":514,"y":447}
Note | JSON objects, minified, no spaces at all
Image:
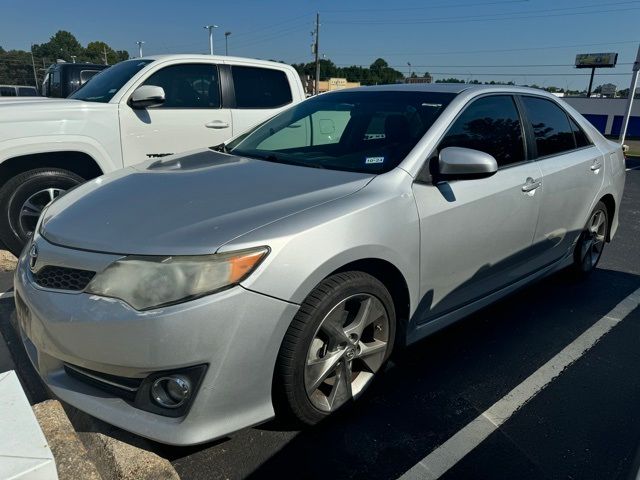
{"x":583,"y":424}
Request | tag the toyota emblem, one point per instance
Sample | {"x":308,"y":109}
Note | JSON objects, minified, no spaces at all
{"x":33,"y":256}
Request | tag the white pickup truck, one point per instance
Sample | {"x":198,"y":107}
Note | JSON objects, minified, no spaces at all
{"x":138,"y":109}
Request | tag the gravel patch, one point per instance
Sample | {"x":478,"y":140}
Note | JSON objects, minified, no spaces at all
{"x":7,"y":261}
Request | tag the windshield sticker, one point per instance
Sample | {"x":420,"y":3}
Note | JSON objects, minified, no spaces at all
{"x":370,"y":160}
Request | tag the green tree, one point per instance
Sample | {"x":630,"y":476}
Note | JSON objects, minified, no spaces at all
{"x":95,"y":51}
{"x":61,"y":45}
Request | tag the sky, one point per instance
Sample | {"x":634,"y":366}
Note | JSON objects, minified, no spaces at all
{"x":525,"y":41}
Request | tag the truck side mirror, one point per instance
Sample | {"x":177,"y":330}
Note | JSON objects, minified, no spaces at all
{"x":147,"y":96}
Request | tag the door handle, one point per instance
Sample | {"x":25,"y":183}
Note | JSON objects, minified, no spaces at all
{"x":531,"y":185}
{"x":217,"y":124}
{"x":597,"y":165}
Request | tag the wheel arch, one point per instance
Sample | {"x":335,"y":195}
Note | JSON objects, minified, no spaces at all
{"x":394,"y":281}
{"x":610,"y":203}
{"x":78,"y":162}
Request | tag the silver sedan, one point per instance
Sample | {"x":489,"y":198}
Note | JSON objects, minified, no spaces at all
{"x":192,"y":296}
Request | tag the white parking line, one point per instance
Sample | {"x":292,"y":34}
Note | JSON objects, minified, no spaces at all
{"x":453,"y":450}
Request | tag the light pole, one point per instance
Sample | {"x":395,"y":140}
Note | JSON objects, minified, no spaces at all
{"x":73,"y":58}
{"x":139,"y":43}
{"x":226,"y":43}
{"x":632,"y":93}
{"x":210,"y":28}
{"x":410,"y":69}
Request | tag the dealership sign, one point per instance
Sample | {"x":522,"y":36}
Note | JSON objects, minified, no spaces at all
{"x":596,"y":60}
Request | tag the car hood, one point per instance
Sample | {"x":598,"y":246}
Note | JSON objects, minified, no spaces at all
{"x":189,"y":204}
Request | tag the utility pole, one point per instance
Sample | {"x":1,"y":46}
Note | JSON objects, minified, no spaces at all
{"x":210,"y":28}
{"x":139,"y":43}
{"x":316,"y":51}
{"x":632,"y":93}
{"x":104,"y":52}
{"x":226,"y":43}
{"x":33,"y":64}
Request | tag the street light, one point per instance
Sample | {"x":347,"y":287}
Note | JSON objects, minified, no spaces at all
{"x":210,"y":28}
{"x":73,"y":58}
{"x":139,"y":43}
{"x":226,"y":43}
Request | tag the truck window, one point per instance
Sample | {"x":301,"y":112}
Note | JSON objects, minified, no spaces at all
{"x":257,"y":87}
{"x":7,"y":92}
{"x":54,"y":85}
{"x":188,"y":85}
{"x":27,"y":92}
{"x":85,"y":75}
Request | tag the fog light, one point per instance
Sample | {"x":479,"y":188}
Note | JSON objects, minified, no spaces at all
{"x":172,"y":391}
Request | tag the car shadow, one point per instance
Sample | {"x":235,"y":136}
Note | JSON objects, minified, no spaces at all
{"x":438,"y":385}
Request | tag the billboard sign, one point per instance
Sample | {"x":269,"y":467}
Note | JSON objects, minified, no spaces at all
{"x":596,"y":60}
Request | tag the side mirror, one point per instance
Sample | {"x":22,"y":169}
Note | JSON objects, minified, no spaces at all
{"x":461,"y":162}
{"x":147,"y":96}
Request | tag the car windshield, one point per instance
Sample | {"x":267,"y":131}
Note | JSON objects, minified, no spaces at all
{"x":360,"y":131}
{"x":105,"y":84}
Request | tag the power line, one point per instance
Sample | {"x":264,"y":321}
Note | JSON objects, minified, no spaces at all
{"x":500,"y":50}
{"x":430,"y":7}
{"x":494,"y":17}
{"x":482,"y":66}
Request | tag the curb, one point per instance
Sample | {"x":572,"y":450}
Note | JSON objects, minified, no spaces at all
{"x":70,"y":454}
{"x":117,"y":460}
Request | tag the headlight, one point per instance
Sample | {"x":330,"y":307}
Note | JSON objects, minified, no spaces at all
{"x":146,"y":282}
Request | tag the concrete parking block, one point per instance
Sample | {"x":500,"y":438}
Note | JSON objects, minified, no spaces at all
{"x":70,"y":454}
{"x":118,"y":460}
{"x":24,"y":451}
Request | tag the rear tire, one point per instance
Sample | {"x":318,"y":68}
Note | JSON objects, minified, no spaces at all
{"x":335,"y":345}
{"x":591,"y":242}
{"x":22,"y":199}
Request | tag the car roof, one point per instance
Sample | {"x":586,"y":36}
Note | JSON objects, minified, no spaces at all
{"x":455,"y":88}
{"x":215,"y":58}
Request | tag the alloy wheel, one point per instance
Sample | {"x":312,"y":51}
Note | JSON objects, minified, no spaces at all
{"x":348,"y":348}
{"x":594,"y":239}
{"x":34,"y":205}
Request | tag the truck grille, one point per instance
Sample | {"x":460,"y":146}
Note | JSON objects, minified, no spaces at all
{"x":62,"y":278}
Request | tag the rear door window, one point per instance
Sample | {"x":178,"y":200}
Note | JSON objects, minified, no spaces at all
{"x":7,"y":92}
{"x":27,"y":92}
{"x":581,"y":138}
{"x":260,"y":87}
{"x":491,"y":125}
{"x":551,"y":128}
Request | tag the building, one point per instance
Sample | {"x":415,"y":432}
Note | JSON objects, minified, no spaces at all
{"x":606,"y":114}
{"x":336,"y":84}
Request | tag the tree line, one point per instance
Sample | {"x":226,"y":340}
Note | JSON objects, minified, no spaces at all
{"x":16,"y":67}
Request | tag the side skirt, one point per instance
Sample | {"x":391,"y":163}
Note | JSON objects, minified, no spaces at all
{"x":421,"y":331}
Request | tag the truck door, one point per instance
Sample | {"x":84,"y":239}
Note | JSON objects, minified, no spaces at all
{"x":191,"y":116}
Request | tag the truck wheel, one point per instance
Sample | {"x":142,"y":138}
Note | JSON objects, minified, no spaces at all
{"x":23,"y":198}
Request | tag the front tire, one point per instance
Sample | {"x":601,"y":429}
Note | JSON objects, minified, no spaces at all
{"x":23,"y":198}
{"x":591,"y":242}
{"x":339,"y":339}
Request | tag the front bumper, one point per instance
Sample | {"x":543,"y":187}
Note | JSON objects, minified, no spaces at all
{"x":237,"y":333}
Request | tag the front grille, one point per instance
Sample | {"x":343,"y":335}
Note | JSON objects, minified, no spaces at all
{"x":62,"y":278}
